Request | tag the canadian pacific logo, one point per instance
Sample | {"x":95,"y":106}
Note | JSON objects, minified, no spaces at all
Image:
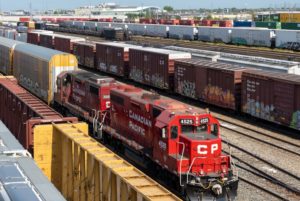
{"x":140,"y":119}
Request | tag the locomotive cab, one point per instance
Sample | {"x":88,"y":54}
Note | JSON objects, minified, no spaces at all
{"x":190,"y":145}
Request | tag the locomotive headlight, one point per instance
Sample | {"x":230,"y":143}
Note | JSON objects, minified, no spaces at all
{"x":201,"y":172}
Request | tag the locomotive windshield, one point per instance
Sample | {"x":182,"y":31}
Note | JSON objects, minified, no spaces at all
{"x":199,"y":132}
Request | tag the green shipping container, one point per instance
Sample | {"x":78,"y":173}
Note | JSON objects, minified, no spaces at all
{"x":268,"y":18}
{"x":270,"y":25}
{"x":289,"y":25}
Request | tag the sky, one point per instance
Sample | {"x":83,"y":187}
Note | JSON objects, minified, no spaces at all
{"x":189,"y":4}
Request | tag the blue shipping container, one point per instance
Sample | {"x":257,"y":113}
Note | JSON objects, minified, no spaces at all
{"x":242,"y":24}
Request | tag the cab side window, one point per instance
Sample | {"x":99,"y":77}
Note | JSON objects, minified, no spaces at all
{"x":174,"y":132}
{"x":214,"y":129}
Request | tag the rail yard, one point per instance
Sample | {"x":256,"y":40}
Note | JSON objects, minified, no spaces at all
{"x":104,"y":110}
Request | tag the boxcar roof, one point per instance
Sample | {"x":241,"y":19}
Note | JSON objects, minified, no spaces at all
{"x":8,"y":42}
{"x":291,"y":78}
{"x":38,"y":51}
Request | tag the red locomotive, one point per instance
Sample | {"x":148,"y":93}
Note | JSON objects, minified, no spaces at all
{"x":169,"y":137}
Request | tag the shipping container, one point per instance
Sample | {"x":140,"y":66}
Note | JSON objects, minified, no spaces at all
{"x":182,"y":32}
{"x":289,"y":39}
{"x":22,"y":37}
{"x":187,"y":22}
{"x":290,"y":17}
{"x":290,"y":25}
{"x":171,"y":21}
{"x":137,"y":29}
{"x":21,"y":178}
{"x":252,"y":36}
{"x":156,"y":30}
{"x":114,"y":33}
{"x":113,"y":58}
{"x":214,"y":34}
{"x":276,"y":17}
{"x":65,"y":43}
{"x":6,"y":55}
{"x":36,"y":68}
{"x":214,"y":83}
{"x":10,"y":34}
{"x":269,"y":25}
{"x":242,"y":24}
{"x":21,"y":111}
{"x":153,"y":66}
{"x":274,"y":97}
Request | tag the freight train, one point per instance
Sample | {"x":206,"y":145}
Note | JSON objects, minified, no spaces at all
{"x":38,"y":128}
{"x":224,"y":85}
{"x":167,"y":136}
{"x":250,"y":36}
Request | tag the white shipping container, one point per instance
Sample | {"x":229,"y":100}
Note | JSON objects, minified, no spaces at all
{"x":182,"y":32}
{"x":10,"y":33}
{"x":79,"y":25}
{"x":21,"y":37}
{"x":121,"y":25}
{"x":252,"y":36}
{"x":205,"y":34}
{"x":156,"y":30}
{"x":137,"y":29}
{"x":101,"y":25}
{"x":91,"y":26}
{"x":289,"y":39}
{"x":214,"y":34}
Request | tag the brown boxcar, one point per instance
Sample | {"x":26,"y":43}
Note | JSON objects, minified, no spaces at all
{"x":113,"y":58}
{"x":33,"y":38}
{"x":85,"y":53}
{"x":89,"y":55}
{"x":215,"y":83}
{"x":78,"y":51}
{"x":21,"y":111}
{"x":65,"y":43}
{"x":47,"y":40}
{"x":154,"y":66}
{"x":272,"y":96}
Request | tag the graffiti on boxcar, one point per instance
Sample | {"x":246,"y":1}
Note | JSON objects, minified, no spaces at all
{"x":218,"y":95}
{"x":291,"y":45}
{"x":113,"y":68}
{"x":33,"y":87}
{"x":187,"y":88}
{"x":158,"y":81}
{"x":102,"y":66}
{"x":295,"y":123}
{"x":259,"y":109}
{"x":136,"y":74}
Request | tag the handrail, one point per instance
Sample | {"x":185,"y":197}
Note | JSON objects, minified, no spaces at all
{"x":181,"y":158}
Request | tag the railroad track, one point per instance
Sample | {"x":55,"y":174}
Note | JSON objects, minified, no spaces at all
{"x":262,"y":173}
{"x":271,"y":140}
